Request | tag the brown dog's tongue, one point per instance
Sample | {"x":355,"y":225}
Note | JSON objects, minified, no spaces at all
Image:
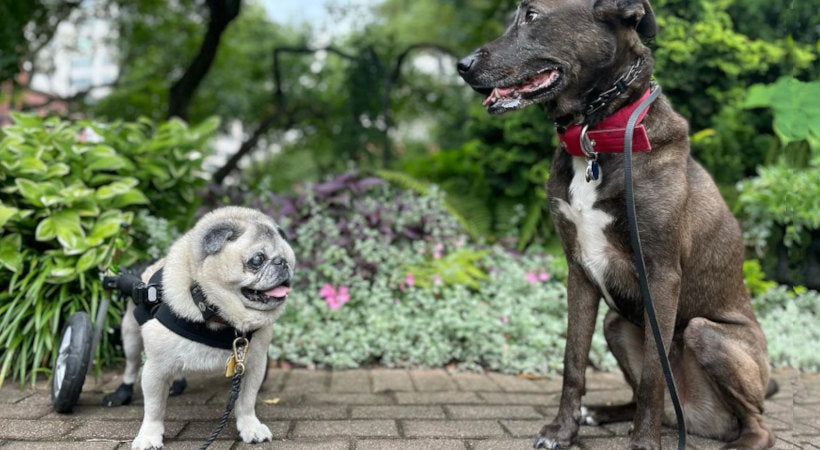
{"x":278,"y":291}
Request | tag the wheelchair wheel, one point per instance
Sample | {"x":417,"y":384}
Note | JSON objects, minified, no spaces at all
{"x":73,"y":356}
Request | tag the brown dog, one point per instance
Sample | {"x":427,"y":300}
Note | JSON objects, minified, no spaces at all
{"x":584,"y":61}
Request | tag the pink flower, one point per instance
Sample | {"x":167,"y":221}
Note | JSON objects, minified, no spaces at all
{"x":505,"y":320}
{"x":343,"y":295}
{"x":543,"y":276}
{"x":532,"y":277}
{"x":437,"y":249}
{"x":333,"y":297}
{"x":437,"y":280}
{"x":410,"y":280}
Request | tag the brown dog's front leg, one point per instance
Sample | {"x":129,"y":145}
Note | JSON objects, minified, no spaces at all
{"x":582,"y":310}
{"x":665,"y":288}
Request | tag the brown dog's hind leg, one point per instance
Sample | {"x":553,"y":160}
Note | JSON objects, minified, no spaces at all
{"x":625,"y":340}
{"x":733,"y":356}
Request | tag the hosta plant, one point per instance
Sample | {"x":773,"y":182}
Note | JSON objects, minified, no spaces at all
{"x":67,"y":192}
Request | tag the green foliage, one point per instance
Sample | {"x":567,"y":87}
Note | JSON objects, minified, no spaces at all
{"x":497,"y":179}
{"x":65,"y":197}
{"x":457,"y":268}
{"x":780,"y":198}
{"x":789,"y":320}
{"x":755,"y":279}
{"x":795,"y":106}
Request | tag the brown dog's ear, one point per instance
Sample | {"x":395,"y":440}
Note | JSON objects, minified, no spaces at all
{"x":633,"y":13}
{"x":216,"y":237}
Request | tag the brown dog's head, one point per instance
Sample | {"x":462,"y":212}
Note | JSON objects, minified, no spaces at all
{"x":561,"y":53}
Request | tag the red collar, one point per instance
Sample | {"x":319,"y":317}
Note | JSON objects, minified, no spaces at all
{"x":608,"y":135}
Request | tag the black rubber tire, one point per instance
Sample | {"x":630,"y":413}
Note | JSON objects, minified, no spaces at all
{"x":71,"y":365}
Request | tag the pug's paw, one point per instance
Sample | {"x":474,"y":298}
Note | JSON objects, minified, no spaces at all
{"x":252,"y":431}
{"x":142,"y":442}
{"x":149,"y":437}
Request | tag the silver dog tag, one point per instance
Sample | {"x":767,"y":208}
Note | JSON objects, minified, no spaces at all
{"x":593,"y":170}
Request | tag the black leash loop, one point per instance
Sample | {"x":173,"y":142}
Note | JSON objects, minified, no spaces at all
{"x":235,"y":384}
{"x":640,"y":266}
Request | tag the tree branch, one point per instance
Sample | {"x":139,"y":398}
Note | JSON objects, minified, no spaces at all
{"x":222,"y":12}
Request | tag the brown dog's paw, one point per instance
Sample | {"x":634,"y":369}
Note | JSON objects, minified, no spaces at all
{"x":553,"y":437}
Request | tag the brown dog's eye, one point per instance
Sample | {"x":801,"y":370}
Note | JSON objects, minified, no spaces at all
{"x":256,"y":262}
{"x":530,"y":15}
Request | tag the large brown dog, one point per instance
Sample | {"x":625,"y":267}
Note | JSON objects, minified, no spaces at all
{"x":584,"y":61}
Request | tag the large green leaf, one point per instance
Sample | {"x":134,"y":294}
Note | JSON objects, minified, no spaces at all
{"x":65,"y":226}
{"x":108,"y":224}
{"x":116,"y":188}
{"x":10,"y":252}
{"x":6,"y":213}
{"x":795,"y":106}
{"x":103,"y":157}
{"x":30,"y":190}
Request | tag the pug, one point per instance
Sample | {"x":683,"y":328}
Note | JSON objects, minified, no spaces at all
{"x":228,"y":277}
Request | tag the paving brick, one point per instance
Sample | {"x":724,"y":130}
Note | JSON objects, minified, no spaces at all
{"x":397,"y":412}
{"x":349,"y":399}
{"x":62,"y":445}
{"x":34,"y":412}
{"x":519,"y":399}
{"x":275,"y":381}
{"x":128,"y":412}
{"x":363,"y":428}
{"x":173,"y":444}
{"x":452,"y":428}
{"x":468,"y":381}
{"x":410,"y":444}
{"x":391,"y":380}
{"x":118,"y":429}
{"x":549,"y":384}
{"x":492,"y":412}
{"x":276,"y":412}
{"x":605,"y":380}
{"x":201,"y":412}
{"x":432,"y":380}
{"x":350,"y":381}
{"x":500,"y":444}
{"x":302,"y":444}
{"x":529,"y":428}
{"x":511,"y":383}
{"x":201,"y":430}
{"x":302,"y":380}
{"x":40,"y":429}
{"x":407,"y":398}
{"x":609,"y":397}
{"x":11,"y":393}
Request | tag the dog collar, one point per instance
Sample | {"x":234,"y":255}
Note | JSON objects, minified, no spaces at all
{"x":608,"y":135}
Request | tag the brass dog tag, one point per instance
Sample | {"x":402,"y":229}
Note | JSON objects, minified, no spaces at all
{"x":230,"y":367}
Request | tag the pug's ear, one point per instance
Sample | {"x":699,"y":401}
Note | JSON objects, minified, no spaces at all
{"x":216,"y":237}
{"x":633,"y":13}
{"x":282,"y":233}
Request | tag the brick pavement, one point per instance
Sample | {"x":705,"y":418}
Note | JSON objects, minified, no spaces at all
{"x":378,"y":409}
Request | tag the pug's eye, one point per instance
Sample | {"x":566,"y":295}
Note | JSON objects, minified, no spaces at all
{"x":530,"y":16}
{"x":256,"y":262}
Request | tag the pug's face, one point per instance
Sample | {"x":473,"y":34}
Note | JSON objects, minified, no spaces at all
{"x":246,"y":264}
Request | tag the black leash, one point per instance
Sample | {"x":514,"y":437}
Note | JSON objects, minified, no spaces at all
{"x":640,"y":266}
{"x":236,"y":364}
{"x":237,"y":380}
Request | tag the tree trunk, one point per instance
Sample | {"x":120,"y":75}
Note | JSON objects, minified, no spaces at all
{"x":222,"y":12}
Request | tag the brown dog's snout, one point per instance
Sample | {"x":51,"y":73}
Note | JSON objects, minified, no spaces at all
{"x":465,"y":64}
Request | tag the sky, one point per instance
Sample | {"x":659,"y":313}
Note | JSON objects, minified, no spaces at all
{"x":316,"y":13}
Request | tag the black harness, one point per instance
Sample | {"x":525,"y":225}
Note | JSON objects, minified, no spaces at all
{"x":148,"y":303}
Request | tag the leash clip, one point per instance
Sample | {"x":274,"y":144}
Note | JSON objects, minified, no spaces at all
{"x":236,"y":363}
{"x":588,"y":147}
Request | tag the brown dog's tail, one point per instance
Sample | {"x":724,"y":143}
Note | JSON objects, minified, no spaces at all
{"x":772,"y":388}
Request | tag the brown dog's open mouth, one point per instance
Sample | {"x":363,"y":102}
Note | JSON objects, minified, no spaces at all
{"x":276,"y":294}
{"x":501,"y":99}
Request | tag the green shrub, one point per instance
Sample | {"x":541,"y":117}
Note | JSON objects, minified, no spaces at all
{"x":789,"y":320}
{"x":65,"y":195}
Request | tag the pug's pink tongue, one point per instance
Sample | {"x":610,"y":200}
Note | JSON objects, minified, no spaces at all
{"x":279,"y":291}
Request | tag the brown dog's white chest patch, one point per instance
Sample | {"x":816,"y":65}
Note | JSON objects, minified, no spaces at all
{"x":591,"y":243}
